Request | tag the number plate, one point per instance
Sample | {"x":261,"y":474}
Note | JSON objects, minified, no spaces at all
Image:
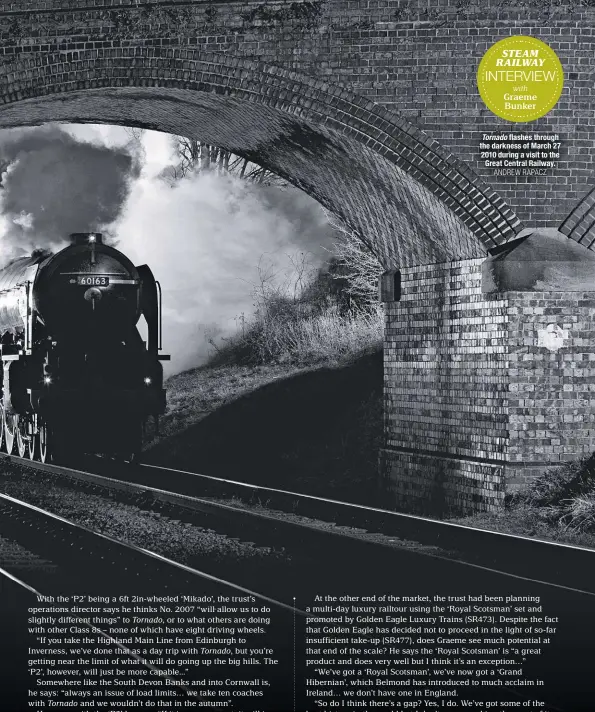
{"x":92,"y":280}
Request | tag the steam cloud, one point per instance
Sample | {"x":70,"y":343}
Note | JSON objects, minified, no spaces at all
{"x":54,"y":184}
{"x":209,"y":240}
{"x":204,"y":238}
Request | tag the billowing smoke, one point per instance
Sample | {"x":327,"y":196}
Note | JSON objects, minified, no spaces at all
{"x":54,"y":183}
{"x":211,"y":240}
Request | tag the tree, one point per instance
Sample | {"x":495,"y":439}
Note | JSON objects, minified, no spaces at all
{"x":356,"y":263}
{"x":194,"y":156}
{"x":135,"y":142}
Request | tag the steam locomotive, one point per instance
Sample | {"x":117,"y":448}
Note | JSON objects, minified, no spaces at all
{"x":77,"y":375}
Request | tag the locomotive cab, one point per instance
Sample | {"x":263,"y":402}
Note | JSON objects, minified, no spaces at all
{"x":77,"y":374}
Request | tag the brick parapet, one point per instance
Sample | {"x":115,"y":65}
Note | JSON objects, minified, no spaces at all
{"x":483,"y":392}
{"x":446,"y":363}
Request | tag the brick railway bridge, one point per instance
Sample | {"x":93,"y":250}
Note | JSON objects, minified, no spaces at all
{"x":370,"y":106}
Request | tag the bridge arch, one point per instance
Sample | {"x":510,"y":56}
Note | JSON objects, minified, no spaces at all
{"x":389,"y":181}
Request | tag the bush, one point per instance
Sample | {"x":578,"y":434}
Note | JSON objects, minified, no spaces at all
{"x":563,"y":496}
{"x":356,"y":263}
{"x":580,"y":514}
{"x":291,"y":333}
{"x":309,"y":338}
{"x":304,"y":322}
{"x":555,"y":485}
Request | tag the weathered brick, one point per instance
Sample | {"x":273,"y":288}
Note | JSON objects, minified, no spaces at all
{"x":472,"y":395}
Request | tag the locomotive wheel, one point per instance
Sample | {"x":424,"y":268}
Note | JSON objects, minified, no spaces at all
{"x":42,"y":443}
{"x":20,"y":438}
{"x":10,"y":425}
{"x":32,"y":449}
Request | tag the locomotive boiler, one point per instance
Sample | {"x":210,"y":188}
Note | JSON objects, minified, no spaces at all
{"x":77,"y":374}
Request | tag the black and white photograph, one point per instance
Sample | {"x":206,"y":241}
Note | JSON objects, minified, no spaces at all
{"x":297,"y":348}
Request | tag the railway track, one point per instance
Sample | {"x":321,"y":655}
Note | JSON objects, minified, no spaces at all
{"x":302,"y":556}
{"x":83,"y":561}
{"x":369,"y":536}
{"x":81,"y":554}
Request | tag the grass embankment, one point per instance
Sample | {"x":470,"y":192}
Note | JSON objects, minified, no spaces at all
{"x":293,"y":401}
{"x":313,"y":429}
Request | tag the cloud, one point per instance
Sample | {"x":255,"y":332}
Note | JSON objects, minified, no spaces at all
{"x":54,"y":183}
{"x":209,"y":240}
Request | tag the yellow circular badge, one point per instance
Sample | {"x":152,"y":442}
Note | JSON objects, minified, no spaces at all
{"x":520,"y":78}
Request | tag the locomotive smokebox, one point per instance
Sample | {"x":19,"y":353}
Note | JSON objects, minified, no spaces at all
{"x":87,"y":289}
{"x":86,"y":238}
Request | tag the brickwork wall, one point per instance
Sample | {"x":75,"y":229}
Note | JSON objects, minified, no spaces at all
{"x":551,"y":403}
{"x":436,"y":484}
{"x":416,"y":56}
{"x":483,"y":392}
{"x":446,"y":357}
{"x":446,"y":385}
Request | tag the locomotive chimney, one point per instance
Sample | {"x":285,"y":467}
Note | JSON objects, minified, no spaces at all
{"x":85,"y":238}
